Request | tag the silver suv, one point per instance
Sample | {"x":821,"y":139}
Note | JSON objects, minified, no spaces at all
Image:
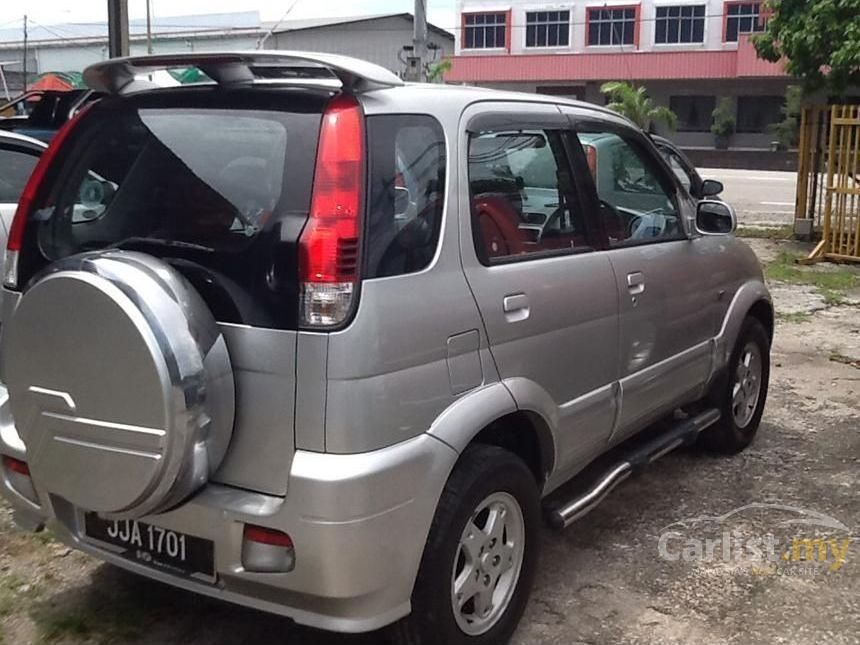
{"x":308,"y":339}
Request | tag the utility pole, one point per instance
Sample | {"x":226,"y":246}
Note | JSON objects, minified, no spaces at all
{"x":117,"y":28}
{"x":416,"y":54}
{"x":25,"y":52}
{"x":148,"y":27}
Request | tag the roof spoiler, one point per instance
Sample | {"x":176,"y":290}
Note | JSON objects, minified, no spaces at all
{"x":118,"y":75}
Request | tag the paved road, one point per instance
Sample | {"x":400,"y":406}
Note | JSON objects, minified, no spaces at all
{"x":760,"y":197}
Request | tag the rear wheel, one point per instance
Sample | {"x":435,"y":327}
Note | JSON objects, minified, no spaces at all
{"x":481,"y":554}
{"x":741,"y":394}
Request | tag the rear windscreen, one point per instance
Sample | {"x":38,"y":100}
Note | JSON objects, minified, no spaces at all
{"x":220,"y":191}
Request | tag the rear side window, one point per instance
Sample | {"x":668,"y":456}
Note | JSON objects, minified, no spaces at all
{"x":217,"y":185}
{"x":406,"y":193}
{"x":523,"y":199}
{"x":15,"y":169}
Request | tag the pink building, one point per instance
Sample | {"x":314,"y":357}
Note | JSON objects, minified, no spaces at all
{"x":689,"y":53}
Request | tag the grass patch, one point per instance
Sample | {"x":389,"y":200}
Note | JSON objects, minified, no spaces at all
{"x":13,"y":589}
{"x":795,"y":317}
{"x":831,"y":284}
{"x":102,"y":620}
{"x":766,"y":232}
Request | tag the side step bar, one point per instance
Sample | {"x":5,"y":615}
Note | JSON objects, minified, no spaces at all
{"x":683,"y":433}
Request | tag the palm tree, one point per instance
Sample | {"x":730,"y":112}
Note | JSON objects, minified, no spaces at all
{"x":636,"y":105}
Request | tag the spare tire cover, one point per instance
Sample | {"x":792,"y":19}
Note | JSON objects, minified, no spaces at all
{"x":120,"y":383}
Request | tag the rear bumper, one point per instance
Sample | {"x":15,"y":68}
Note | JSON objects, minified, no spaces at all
{"x":358,"y":522}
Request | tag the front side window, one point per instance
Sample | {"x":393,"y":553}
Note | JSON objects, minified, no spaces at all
{"x":523,"y":200}
{"x":547,"y":28}
{"x":612,"y":26}
{"x":743,"y":18}
{"x":17,"y":167}
{"x":636,"y":198}
{"x":680,"y":24}
{"x":694,"y":112}
{"x":485,"y":30}
{"x":405,"y":193}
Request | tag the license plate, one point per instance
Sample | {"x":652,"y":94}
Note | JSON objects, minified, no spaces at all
{"x":170,"y":551}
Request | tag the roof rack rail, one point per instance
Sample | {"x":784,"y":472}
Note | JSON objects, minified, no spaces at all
{"x":118,"y":75}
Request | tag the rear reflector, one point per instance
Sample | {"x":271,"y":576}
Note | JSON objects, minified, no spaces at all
{"x":16,"y":466}
{"x":17,"y":474}
{"x":263,"y":535}
{"x":329,"y":244}
{"x":266,"y":550}
{"x":27,"y":202}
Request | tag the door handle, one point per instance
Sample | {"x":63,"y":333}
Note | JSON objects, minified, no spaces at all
{"x":636,"y":283}
{"x":516,"y":307}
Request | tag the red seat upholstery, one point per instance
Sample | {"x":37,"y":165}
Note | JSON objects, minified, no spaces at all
{"x":499,"y":223}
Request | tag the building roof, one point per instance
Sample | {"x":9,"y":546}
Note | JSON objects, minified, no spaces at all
{"x":215,"y":22}
{"x":315,"y":23}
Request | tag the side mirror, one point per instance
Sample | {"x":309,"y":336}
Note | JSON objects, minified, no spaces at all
{"x":711,"y":188}
{"x":715,"y":218}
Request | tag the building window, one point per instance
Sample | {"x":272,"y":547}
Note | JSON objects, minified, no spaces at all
{"x":485,"y":30}
{"x":547,"y":28}
{"x":612,"y":26}
{"x":680,"y":24}
{"x":695,"y":113}
{"x":743,"y":18}
{"x":756,"y":113}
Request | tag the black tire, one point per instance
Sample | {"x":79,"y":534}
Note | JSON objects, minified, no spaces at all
{"x":726,"y":436}
{"x":481,"y":471}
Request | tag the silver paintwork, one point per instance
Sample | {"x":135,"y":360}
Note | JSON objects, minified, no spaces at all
{"x":487,"y":563}
{"x":345,"y":440}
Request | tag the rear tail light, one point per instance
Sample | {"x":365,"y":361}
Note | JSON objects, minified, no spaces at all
{"x":27,"y":203}
{"x":329,"y":244}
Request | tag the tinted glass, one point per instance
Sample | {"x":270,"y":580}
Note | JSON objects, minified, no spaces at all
{"x":15,"y":169}
{"x":219,"y":192}
{"x":406,"y":193}
{"x":523,"y":200}
{"x":636,"y":198}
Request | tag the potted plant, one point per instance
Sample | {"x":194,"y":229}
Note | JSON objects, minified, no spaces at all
{"x":724,"y":123}
{"x":787,"y":131}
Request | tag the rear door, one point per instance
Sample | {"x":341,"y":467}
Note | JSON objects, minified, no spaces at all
{"x":667,"y":309}
{"x":547,"y":298}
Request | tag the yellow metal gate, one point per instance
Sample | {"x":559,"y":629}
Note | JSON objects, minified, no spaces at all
{"x":840,"y":219}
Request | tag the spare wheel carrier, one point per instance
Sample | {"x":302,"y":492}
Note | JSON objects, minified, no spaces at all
{"x":120,"y":383}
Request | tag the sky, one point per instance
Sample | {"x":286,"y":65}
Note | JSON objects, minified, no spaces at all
{"x":47,"y":12}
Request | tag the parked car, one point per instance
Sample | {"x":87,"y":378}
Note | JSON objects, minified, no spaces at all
{"x":18,"y":157}
{"x":41,"y":113}
{"x":685,"y":171}
{"x":330,"y":347}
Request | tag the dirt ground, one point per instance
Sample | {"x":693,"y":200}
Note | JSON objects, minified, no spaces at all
{"x":606,"y":579}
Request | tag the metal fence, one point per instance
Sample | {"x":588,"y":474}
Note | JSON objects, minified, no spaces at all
{"x":828,"y":180}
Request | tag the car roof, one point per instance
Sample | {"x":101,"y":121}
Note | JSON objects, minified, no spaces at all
{"x":15,"y":138}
